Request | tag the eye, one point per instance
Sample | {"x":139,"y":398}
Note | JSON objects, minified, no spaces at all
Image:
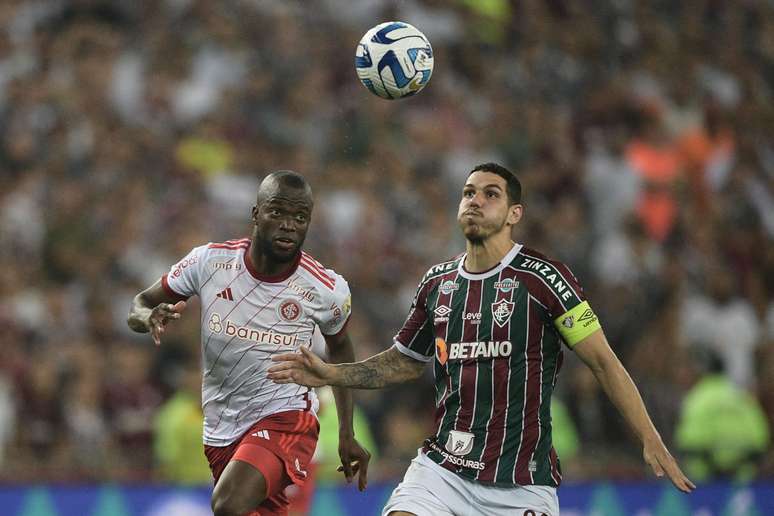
{"x":301,"y":218}
{"x":468,"y":193}
{"x":274,"y":212}
{"x":492,"y":194}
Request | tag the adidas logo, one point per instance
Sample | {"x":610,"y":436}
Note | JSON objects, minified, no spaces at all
{"x":226,"y":294}
{"x":263,"y":434}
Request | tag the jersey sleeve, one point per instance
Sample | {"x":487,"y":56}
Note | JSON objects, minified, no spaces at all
{"x":415,"y":338}
{"x":337,"y":307}
{"x":568,"y":308}
{"x":183,"y":279}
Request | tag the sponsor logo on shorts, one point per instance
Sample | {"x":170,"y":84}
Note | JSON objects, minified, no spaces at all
{"x":453,"y":459}
{"x":447,"y":287}
{"x":289,"y":310}
{"x":263,"y":434}
{"x":459,"y":443}
{"x":489,"y":349}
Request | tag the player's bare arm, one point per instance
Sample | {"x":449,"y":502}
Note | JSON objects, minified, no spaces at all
{"x":152,"y":309}
{"x":596,"y":353}
{"x":387,"y":368}
{"x":354,"y":458}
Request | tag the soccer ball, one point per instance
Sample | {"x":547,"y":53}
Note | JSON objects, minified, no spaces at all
{"x":394,"y":60}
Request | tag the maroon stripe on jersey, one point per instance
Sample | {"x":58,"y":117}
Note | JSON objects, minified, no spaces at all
{"x":261,"y":309}
{"x":170,"y":292}
{"x":495,"y":435}
{"x":554,"y":466}
{"x":417,"y":317}
{"x":469,"y":372}
{"x":442,"y":331}
{"x":322,"y":279}
{"x":215,"y":298}
{"x":542,"y":292}
{"x":531,"y":424}
{"x":320,"y":268}
{"x":238,"y":388}
{"x":228,"y":246}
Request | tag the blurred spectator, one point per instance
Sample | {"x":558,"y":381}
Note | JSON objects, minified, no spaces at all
{"x":641,"y":134}
{"x":178,"y":426}
{"x":722,"y":430}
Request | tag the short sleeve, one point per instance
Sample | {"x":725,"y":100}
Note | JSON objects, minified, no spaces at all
{"x":336,"y":309}
{"x":415,"y":338}
{"x":565,"y":300}
{"x":183,"y":278}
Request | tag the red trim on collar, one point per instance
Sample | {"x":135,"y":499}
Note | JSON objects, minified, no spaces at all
{"x":276,"y":278}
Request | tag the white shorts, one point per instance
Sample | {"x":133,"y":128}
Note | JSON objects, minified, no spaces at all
{"x":431,"y":490}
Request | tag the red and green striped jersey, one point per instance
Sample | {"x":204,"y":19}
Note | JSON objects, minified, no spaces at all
{"x":495,"y":342}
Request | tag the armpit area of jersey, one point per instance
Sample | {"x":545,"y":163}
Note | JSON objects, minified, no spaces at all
{"x":577,"y":323}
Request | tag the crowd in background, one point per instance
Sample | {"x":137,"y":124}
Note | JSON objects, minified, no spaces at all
{"x":131,"y":132}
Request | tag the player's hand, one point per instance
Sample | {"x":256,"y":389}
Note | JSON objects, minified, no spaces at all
{"x":303,"y":368}
{"x":161,"y":315}
{"x":658,"y":457}
{"x":354,"y":461}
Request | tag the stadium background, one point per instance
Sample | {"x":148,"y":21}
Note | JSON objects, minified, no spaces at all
{"x":132,"y":131}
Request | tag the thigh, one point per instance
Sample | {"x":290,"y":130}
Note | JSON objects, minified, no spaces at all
{"x":253,"y":478}
{"x":423,"y":492}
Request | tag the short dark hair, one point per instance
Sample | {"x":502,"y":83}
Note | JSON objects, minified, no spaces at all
{"x":289,"y":178}
{"x":286,"y":178}
{"x":512,"y":182}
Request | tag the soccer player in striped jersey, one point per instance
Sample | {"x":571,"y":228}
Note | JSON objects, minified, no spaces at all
{"x":260,"y":296}
{"x":493,"y":322}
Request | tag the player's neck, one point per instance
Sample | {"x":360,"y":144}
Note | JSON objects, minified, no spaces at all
{"x":265,"y":266}
{"x":482,"y":256}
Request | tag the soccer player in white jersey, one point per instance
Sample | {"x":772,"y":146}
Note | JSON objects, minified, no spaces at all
{"x":493,"y":323}
{"x":260,"y":296}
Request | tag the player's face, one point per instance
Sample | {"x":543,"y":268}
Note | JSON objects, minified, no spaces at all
{"x":484,"y":209}
{"x":281,"y":223}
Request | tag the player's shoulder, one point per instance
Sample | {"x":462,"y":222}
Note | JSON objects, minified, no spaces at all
{"x":532,"y":259}
{"x":232,"y":246}
{"x":227,"y":250}
{"x":323,"y":278}
{"x":555,"y":278}
{"x":442,"y":268}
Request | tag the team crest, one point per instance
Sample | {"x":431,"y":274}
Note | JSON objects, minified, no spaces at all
{"x":568,"y":322}
{"x":501,"y":311}
{"x":289,"y":310}
{"x":459,"y":443}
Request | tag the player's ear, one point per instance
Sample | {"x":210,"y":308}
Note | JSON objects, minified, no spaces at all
{"x":515,"y":212}
{"x":254,"y":213}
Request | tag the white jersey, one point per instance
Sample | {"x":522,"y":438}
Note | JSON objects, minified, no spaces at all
{"x":246,"y":318}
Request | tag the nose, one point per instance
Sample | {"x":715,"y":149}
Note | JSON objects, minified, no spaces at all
{"x":476,"y":200}
{"x":287,"y":224}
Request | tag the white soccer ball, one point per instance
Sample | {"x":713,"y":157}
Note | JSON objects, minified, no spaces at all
{"x":394,"y":60}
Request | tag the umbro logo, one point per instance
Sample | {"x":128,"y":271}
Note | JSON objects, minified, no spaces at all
{"x":226,"y":294}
